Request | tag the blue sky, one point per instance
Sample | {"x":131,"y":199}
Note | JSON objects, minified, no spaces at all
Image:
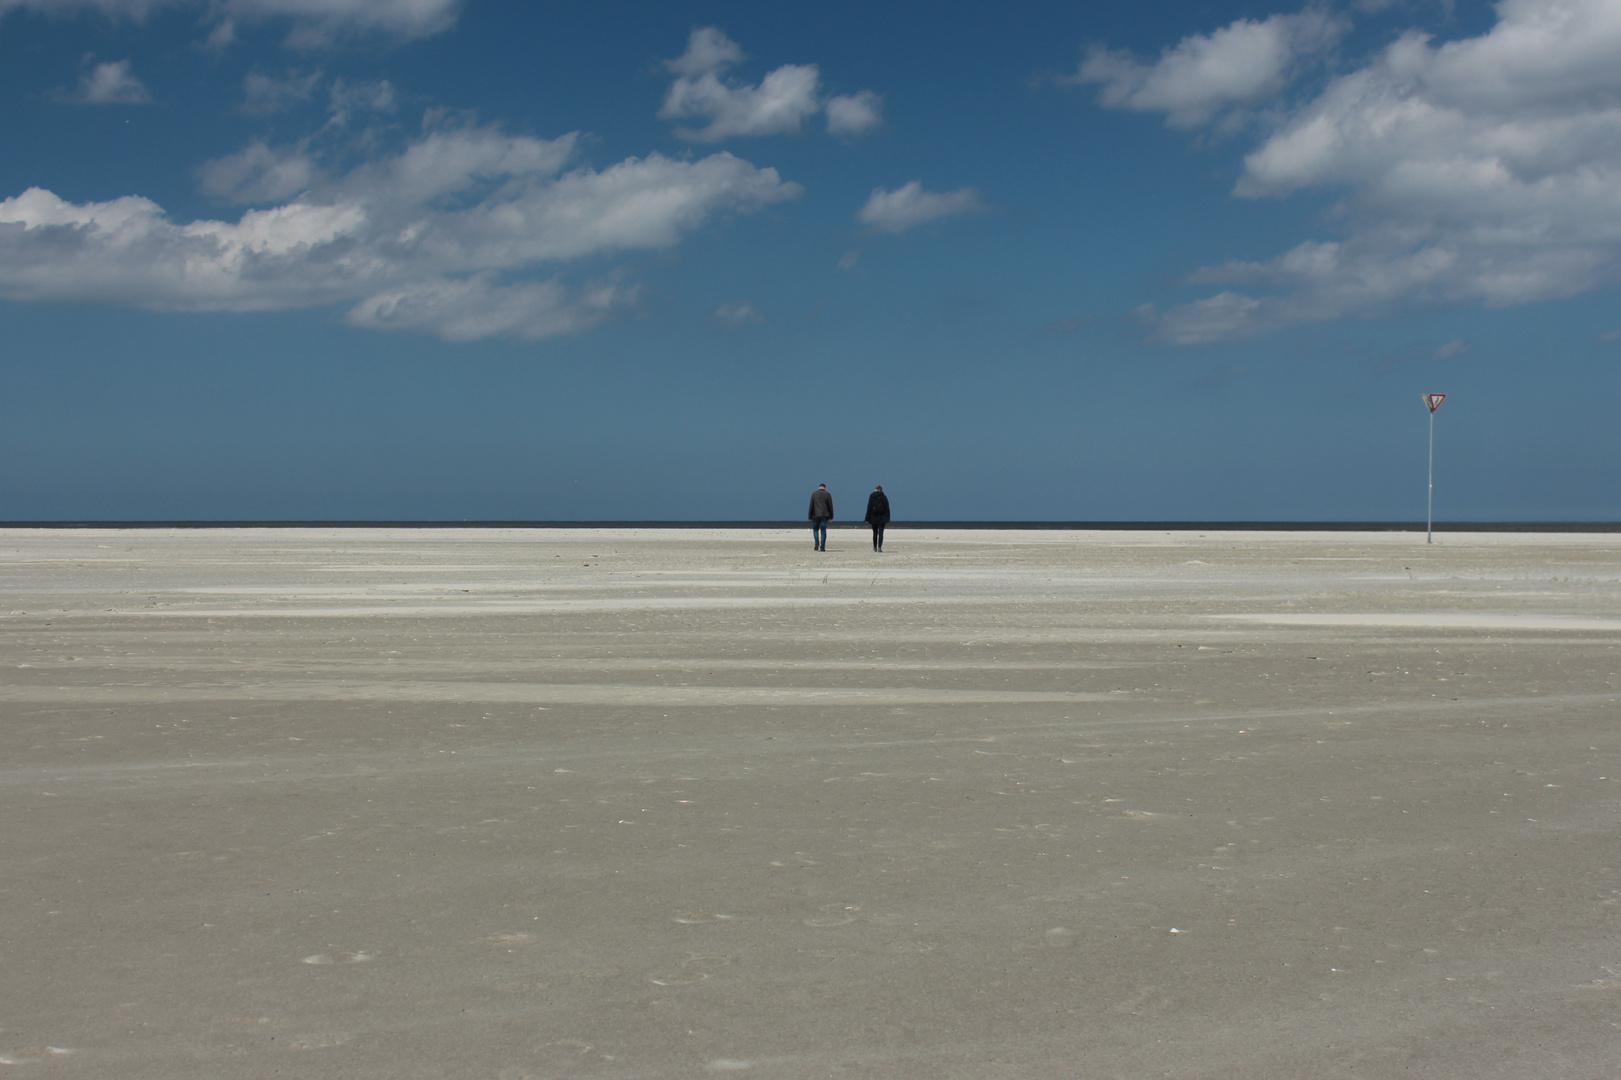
{"x":430,"y":259}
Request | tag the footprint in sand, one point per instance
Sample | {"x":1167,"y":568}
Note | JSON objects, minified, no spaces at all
{"x":680,"y":978}
{"x":834,"y":915}
{"x":320,"y":1040}
{"x":341,"y":958}
{"x":698,"y":918}
{"x":32,"y":1055}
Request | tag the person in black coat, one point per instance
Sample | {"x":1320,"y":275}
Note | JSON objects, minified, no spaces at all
{"x":821,"y":512}
{"x":877,"y":516}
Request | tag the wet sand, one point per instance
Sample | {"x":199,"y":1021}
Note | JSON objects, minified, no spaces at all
{"x":529,"y":804}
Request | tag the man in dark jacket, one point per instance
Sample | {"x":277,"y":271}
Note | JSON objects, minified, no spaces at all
{"x":821,"y":512}
{"x":877,"y":516}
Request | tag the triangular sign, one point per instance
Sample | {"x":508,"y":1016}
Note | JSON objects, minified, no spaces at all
{"x":1434,"y":401}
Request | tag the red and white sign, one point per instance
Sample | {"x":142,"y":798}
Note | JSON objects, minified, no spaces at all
{"x":1434,"y":401}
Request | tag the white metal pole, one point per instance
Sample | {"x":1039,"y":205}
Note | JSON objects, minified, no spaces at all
{"x":1429,"y":513}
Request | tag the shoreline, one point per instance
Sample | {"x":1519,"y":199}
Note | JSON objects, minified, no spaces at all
{"x":1044,"y":526}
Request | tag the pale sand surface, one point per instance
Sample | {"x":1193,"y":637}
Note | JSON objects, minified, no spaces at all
{"x":637,"y":803}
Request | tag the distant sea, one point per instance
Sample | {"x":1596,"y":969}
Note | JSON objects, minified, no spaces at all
{"x":1136,"y":526}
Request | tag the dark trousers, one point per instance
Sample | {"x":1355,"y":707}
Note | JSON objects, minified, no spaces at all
{"x":819,"y":533}
{"x":878,"y":535}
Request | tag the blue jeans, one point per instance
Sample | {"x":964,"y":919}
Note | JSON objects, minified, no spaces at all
{"x":819,"y":532}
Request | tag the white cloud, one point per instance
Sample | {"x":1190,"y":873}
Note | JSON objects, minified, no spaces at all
{"x":1485,"y":170}
{"x":473,"y":308}
{"x":223,"y":36}
{"x":318,"y":23}
{"x":111,"y":84}
{"x":1241,"y":64}
{"x":854,"y":114}
{"x":708,"y":50}
{"x":126,"y":9}
{"x":259,"y":173}
{"x":779,"y":105}
{"x":1455,"y":347}
{"x":451,"y":161}
{"x":264,"y":94}
{"x":909,"y":206}
{"x":440,"y":238}
{"x":736,"y":314}
{"x":315,"y":23}
{"x":349,"y":98}
{"x":1225,"y":315}
{"x":1609,"y":337}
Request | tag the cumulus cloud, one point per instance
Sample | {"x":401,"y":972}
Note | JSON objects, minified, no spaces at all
{"x":854,"y":114}
{"x":736,"y":314}
{"x":709,"y":50}
{"x":1239,"y":65}
{"x":1484,"y":170}
{"x":259,"y":173}
{"x":315,"y":23}
{"x":443,"y":237}
{"x":909,"y":206}
{"x":111,"y":84}
{"x":778,"y":105}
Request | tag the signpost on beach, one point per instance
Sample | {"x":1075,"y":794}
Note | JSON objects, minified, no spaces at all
{"x":1431,"y":402}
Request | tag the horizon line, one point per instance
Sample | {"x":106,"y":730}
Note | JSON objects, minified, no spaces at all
{"x":646,"y":523}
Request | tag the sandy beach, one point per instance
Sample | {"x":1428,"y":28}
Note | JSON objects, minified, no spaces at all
{"x":528,"y":804}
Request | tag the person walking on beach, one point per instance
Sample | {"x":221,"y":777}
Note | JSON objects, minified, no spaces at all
{"x":821,"y":512}
{"x":877,"y":516}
